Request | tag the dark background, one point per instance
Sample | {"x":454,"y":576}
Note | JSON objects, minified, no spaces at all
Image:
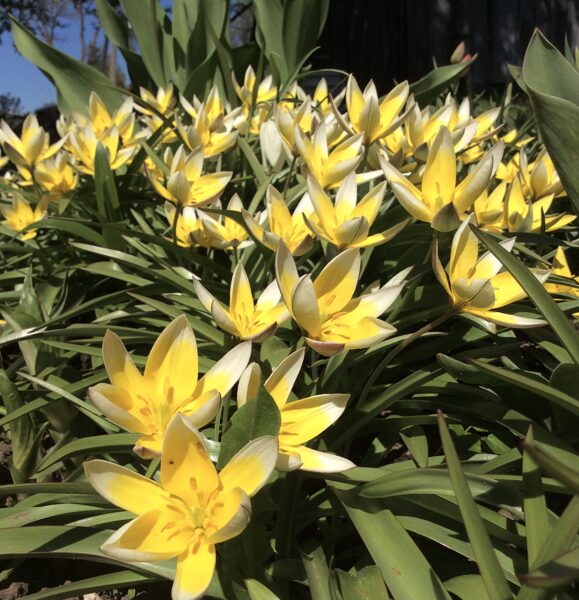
{"x":391,"y":40}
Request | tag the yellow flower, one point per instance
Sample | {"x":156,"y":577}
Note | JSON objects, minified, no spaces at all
{"x":371,"y":117}
{"x":20,"y":215}
{"x":192,"y":509}
{"x":212,"y":127}
{"x":185,"y":185}
{"x":476,"y":286}
{"x":223,"y":232}
{"x":266,"y":91}
{"x":560,"y":267}
{"x":84,"y":142}
{"x":346,"y":223}
{"x":190,"y":232}
{"x":490,"y":208}
{"x":440,"y":201}
{"x":540,"y":179}
{"x":32,"y":147}
{"x":3,"y":160}
{"x":330,"y":318}
{"x":56,"y":175}
{"x":301,"y":420}
{"x":328,"y":168}
{"x":243,"y":318}
{"x":157,"y":108}
{"x":521,"y":215}
{"x":146,"y":403}
{"x":290,"y":228}
{"x":291,"y":122}
{"x":321,"y":98}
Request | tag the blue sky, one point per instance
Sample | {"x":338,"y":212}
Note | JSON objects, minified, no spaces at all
{"x":24,"y":80}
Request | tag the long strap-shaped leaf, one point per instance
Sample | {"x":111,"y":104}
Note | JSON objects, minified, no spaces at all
{"x":488,"y":565}
{"x":538,"y":295}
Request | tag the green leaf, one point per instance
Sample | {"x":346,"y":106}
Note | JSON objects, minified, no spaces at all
{"x":142,"y":15}
{"x":317,"y":572}
{"x":97,"y":444}
{"x":21,"y":433}
{"x":269,"y":17}
{"x":365,"y":584}
{"x":116,"y":580}
{"x":467,"y":587}
{"x":530,"y":384}
{"x":258,"y":591}
{"x":429,"y":87}
{"x":256,"y":418}
{"x":565,"y":378}
{"x":487,"y":563}
{"x":559,"y":322}
{"x":553,"y":87}
{"x":404,"y":568}
{"x":562,"y":471}
{"x":535,"y":505}
{"x":558,"y":572}
{"x":73,"y":79}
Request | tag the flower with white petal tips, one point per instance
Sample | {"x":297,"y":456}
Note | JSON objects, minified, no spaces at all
{"x":243,"y":318}
{"x":192,"y":509}
{"x":476,"y":285}
{"x":146,"y":403}
{"x":330,"y":317}
{"x":301,"y":420}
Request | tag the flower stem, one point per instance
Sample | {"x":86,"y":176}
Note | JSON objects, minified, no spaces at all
{"x":289,"y":176}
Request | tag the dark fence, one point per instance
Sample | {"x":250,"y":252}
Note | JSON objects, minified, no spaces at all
{"x":397,"y":39}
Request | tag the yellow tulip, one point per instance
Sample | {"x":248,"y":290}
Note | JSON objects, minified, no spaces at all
{"x":440,"y":201}
{"x":346,"y":223}
{"x":32,"y":147}
{"x":540,"y":179}
{"x":20,"y":215}
{"x":101,"y":120}
{"x":328,"y":168}
{"x":162,"y":102}
{"x":374,"y":118}
{"x":84,"y":142}
{"x":330,"y":318}
{"x":3,"y":160}
{"x":521,"y":215}
{"x":291,"y":122}
{"x":56,"y":175}
{"x":190,"y":232}
{"x":476,"y":286}
{"x":185,"y":185}
{"x":560,"y":267}
{"x":290,"y":228}
{"x":321,"y":98}
{"x":243,"y":318}
{"x":222,"y":232}
{"x":301,"y":420}
{"x":146,"y":403}
{"x":190,"y":510}
{"x":490,"y":208}
{"x":266,"y":91}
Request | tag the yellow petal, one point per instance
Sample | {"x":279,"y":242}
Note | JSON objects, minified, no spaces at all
{"x":506,"y":289}
{"x":475,"y":293}
{"x":361,"y":333}
{"x":370,"y":204}
{"x":224,"y":374}
{"x":407,"y":194}
{"x":472,"y":186}
{"x":208,"y":187}
{"x":195,"y":570}
{"x":439,"y":179}
{"x":323,"y":205}
{"x":117,"y":405}
{"x":119,"y":365}
{"x":241,"y":306}
{"x":305,"y":306}
{"x":351,"y":232}
{"x":507,"y":320}
{"x":322,"y":462}
{"x":439,"y":269}
{"x":303,"y":420}
{"x":381,"y":238}
{"x":153,"y":536}
{"x":202,"y":409}
{"x":288,"y":459}
{"x":186,"y":469}
{"x":280,"y":219}
{"x":123,"y":488}
{"x":286,"y":274}
{"x":248,"y":385}
{"x":280,"y":383}
{"x":251,"y":467}
{"x":325,"y":348}
{"x":336,"y":284}
{"x":230,"y":512}
{"x":171,"y":369}
{"x":464,"y":252}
